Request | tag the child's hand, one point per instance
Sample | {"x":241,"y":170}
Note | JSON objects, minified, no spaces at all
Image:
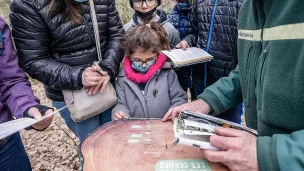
{"x":183,"y":44}
{"x":119,"y":115}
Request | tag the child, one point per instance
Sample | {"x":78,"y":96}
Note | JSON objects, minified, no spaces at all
{"x":179,"y":17}
{"x":146,"y":86}
{"x":146,"y":12}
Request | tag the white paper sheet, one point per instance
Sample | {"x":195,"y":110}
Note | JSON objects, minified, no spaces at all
{"x":11,"y":127}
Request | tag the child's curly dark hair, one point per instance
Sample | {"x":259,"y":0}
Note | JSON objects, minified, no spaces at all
{"x":146,"y":37}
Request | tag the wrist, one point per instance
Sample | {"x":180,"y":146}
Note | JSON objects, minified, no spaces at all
{"x":80,"y":78}
{"x":206,"y":105}
{"x":105,"y":69}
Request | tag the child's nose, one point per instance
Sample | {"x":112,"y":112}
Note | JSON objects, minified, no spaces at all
{"x":144,"y":5}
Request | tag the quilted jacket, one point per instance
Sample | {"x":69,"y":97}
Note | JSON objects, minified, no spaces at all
{"x":223,"y":44}
{"x":56,"y":51}
{"x":179,"y":17}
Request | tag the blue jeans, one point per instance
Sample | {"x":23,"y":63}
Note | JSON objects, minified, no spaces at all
{"x":234,"y":114}
{"x":13,"y":156}
{"x":84,"y":128}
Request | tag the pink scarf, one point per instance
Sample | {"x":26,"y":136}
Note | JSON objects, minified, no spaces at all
{"x":140,"y":77}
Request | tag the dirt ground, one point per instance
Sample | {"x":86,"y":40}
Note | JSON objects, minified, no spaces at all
{"x":54,"y":149}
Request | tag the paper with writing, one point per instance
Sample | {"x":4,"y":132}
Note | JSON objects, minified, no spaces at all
{"x":190,"y":56}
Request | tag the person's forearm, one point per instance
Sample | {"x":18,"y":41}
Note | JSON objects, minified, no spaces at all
{"x":223,"y":94}
{"x":15,"y":88}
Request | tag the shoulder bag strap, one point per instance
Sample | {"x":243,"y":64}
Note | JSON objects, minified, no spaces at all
{"x":96,"y":30}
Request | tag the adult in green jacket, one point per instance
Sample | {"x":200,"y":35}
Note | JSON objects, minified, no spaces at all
{"x":270,"y":80}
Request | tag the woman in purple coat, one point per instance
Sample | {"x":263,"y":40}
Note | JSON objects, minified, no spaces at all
{"x":16,"y":100}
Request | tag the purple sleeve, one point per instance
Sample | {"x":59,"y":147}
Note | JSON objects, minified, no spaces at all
{"x":15,"y":89}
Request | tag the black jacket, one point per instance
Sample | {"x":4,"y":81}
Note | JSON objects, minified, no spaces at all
{"x":55,"y":51}
{"x":224,"y":37}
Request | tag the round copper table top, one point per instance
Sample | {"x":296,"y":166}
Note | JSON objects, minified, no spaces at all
{"x":137,"y":145}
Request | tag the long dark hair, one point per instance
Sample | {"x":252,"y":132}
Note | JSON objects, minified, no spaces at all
{"x":70,"y":10}
{"x":146,"y":37}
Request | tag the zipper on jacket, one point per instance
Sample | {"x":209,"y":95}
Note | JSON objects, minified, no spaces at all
{"x":252,"y":74}
{"x":248,"y":76}
{"x":260,"y":75}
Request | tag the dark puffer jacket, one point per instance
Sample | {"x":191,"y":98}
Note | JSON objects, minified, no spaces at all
{"x":179,"y":17}
{"x":223,"y":44}
{"x":55,"y":51}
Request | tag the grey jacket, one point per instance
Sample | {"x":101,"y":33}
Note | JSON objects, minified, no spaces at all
{"x":162,"y":92}
{"x":173,"y":34}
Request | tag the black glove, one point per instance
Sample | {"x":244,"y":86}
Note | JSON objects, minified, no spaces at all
{"x":42,"y":109}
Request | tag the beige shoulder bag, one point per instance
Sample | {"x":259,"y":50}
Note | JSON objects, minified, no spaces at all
{"x":80,"y":104}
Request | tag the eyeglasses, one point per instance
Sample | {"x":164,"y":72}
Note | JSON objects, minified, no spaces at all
{"x":148,"y":62}
{"x":140,"y":3}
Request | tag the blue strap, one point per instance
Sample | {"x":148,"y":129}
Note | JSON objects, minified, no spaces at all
{"x":209,"y":40}
{"x":1,"y":42}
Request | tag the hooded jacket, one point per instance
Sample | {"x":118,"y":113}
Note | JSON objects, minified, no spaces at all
{"x":55,"y":51}
{"x":162,"y":91}
{"x":173,"y":34}
{"x":270,"y":79}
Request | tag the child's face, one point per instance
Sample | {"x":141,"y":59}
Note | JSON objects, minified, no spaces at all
{"x":144,"y":5}
{"x":144,"y":58}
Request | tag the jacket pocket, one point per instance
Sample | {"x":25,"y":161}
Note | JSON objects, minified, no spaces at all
{"x":261,"y":69}
{"x":248,"y":77}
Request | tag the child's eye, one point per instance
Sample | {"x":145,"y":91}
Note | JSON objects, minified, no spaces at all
{"x":138,"y":62}
{"x":150,"y":62}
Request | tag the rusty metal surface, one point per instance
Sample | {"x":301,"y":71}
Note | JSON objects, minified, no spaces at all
{"x":135,"y":145}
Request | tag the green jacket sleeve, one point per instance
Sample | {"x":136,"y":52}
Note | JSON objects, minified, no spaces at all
{"x":223,"y":94}
{"x":281,"y":152}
